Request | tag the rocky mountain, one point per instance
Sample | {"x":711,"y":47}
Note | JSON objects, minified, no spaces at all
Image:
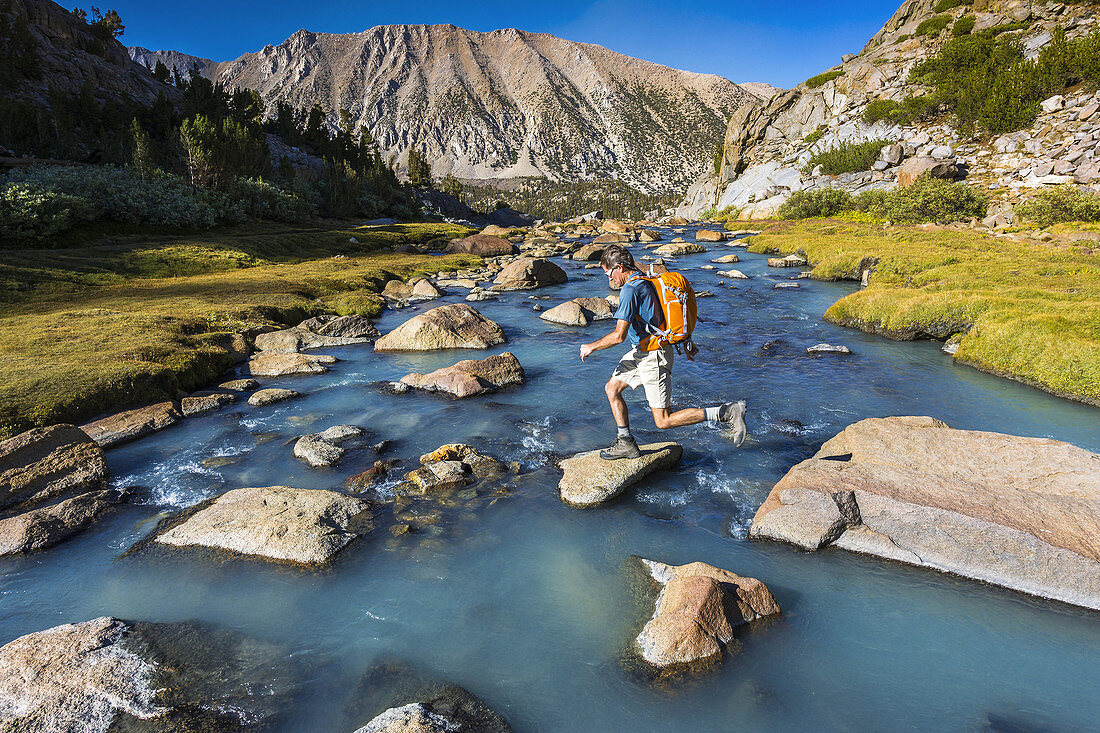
{"x":174,"y":60}
{"x":501,"y":104}
{"x":71,"y":56}
{"x":768,"y":144}
{"x":761,"y":90}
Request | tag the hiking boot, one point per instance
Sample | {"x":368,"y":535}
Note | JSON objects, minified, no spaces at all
{"x":621,"y":448}
{"x":733,"y":414}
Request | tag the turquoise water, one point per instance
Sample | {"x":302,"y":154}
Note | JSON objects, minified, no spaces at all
{"x":526,"y":602}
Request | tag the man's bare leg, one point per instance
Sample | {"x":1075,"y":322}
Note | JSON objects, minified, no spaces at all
{"x":614,"y":391}
{"x":731,"y":413}
{"x":665,"y":418}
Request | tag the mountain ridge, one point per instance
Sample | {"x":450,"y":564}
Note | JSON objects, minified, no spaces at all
{"x":498,"y":104}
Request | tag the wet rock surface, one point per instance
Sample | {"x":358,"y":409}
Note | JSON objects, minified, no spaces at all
{"x":696,"y":612}
{"x":306,"y":526}
{"x":579,"y":312}
{"x":486,"y":245}
{"x":456,"y":326}
{"x":1019,"y":512}
{"x":44,"y":527}
{"x":471,"y":377}
{"x":293,"y":340}
{"x":108,"y":674}
{"x":528,"y":273}
{"x":44,"y":463}
{"x":276,"y":364}
{"x":326,"y":448}
{"x":200,"y":403}
{"x":270,"y":396}
{"x":132,"y":424}
{"x":589,"y":480}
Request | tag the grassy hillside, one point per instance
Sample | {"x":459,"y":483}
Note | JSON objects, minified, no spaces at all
{"x":91,"y":329}
{"x":1028,"y":311}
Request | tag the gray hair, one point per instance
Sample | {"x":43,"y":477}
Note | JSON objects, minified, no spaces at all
{"x":615,"y":255}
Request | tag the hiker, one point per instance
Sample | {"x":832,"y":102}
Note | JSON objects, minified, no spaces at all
{"x":649,"y":363}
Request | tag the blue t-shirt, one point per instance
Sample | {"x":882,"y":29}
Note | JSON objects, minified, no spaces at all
{"x":639,"y":305}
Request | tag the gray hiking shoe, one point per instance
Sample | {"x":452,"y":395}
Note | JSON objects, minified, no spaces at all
{"x":621,"y":448}
{"x":733,"y":414}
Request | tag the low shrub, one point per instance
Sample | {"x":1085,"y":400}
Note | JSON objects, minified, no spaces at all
{"x":821,"y":202}
{"x":926,"y":200}
{"x":815,"y":81}
{"x":963,"y":26}
{"x":1060,"y":204}
{"x":933,"y":25}
{"x":905,"y":112}
{"x":27,"y":212}
{"x":846,"y":157}
{"x":945,"y":5}
{"x":814,"y":136}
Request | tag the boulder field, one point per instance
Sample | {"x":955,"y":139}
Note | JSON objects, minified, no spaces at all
{"x":589,"y":480}
{"x":1023,"y":513}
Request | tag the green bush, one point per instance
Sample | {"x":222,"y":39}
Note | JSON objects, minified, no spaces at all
{"x":933,"y":25}
{"x":945,"y":5}
{"x":822,"y":202}
{"x":926,"y":200}
{"x":815,"y":81}
{"x":27,"y":212}
{"x":1019,"y":25}
{"x":846,"y":157}
{"x":814,"y":136}
{"x":963,"y":26}
{"x":1060,"y":204}
{"x":905,"y":112}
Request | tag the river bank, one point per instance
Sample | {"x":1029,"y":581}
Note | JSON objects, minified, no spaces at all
{"x":1021,"y":309}
{"x":106,"y":327}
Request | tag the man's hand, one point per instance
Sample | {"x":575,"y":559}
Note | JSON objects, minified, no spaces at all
{"x":690,"y":350}
{"x":586,"y":351}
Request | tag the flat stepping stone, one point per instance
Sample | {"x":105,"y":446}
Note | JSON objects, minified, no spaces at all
{"x":132,"y":424}
{"x":274,"y":364}
{"x":471,"y":377}
{"x":828,"y":349}
{"x":589,"y":480}
{"x":271,"y":395}
{"x":306,"y":526}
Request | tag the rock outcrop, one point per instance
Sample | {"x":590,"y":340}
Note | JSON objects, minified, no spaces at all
{"x":1023,"y":513}
{"x":456,"y":326}
{"x":696,"y":612}
{"x":589,"y":480}
{"x":485,"y":245}
{"x":108,"y":674}
{"x":471,"y":377}
{"x":528,"y":273}
{"x":44,"y":463}
{"x":304,"y":526}
{"x":132,"y":424}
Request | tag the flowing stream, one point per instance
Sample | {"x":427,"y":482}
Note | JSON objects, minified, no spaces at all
{"x":527,"y":603}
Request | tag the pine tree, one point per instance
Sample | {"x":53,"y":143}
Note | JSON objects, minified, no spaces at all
{"x":143,"y":154}
{"x":420,"y":171}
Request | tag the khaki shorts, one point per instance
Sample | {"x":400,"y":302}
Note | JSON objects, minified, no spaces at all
{"x":651,"y":370}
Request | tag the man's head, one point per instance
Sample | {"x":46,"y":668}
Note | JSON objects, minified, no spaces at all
{"x":617,"y":264}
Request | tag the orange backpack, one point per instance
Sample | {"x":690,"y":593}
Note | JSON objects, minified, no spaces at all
{"x":678,"y":307}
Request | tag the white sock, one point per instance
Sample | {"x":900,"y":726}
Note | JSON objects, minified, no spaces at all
{"x":624,"y":432}
{"x":711,"y":412}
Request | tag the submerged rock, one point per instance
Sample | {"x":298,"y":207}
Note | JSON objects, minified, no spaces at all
{"x":450,"y":467}
{"x":589,"y":480}
{"x":1023,"y":513}
{"x":44,"y":463}
{"x":456,"y":326}
{"x":44,"y":527}
{"x":471,"y":377}
{"x":275,"y":364}
{"x":132,"y":424}
{"x":270,"y":396}
{"x":108,"y":674}
{"x":307,"y":526}
{"x":528,"y":273}
{"x":696,"y":612}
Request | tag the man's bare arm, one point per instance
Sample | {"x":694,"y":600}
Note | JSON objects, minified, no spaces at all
{"x":614,"y":338}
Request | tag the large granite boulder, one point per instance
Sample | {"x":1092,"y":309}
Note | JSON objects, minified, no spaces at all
{"x":528,"y":273}
{"x":912,"y":169}
{"x":305,"y":526}
{"x":276,"y":364}
{"x":471,"y":377}
{"x":326,"y":448}
{"x":455,"y":326}
{"x":107,"y":674}
{"x":579,"y":312}
{"x":44,"y":527}
{"x":589,"y":252}
{"x":350,"y":326}
{"x":696,"y":612}
{"x":44,"y":463}
{"x":677,"y":249}
{"x":709,"y":235}
{"x":485,"y":245}
{"x":271,"y":395}
{"x":203,"y":402}
{"x":1023,"y":513}
{"x":132,"y":424}
{"x":589,"y":480}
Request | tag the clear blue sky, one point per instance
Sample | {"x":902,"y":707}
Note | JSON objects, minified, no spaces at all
{"x":782,"y":43}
